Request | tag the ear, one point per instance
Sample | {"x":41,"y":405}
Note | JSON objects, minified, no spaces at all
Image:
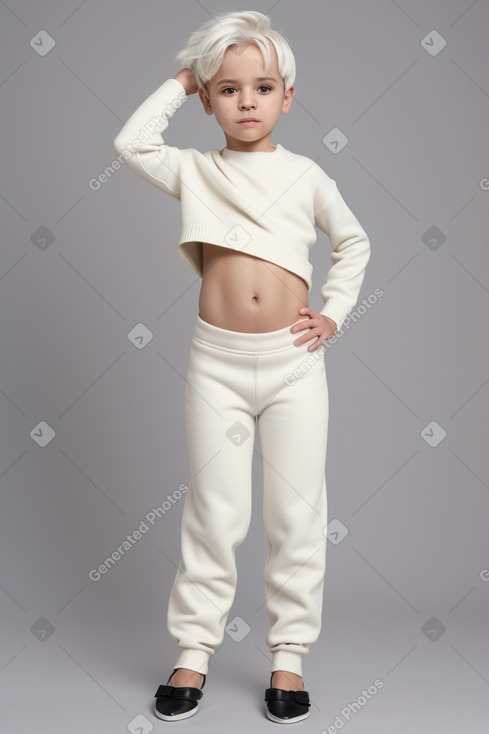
{"x":205,"y":99}
{"x":288,"y":97}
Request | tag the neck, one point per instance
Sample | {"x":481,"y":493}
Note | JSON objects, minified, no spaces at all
{"x":255,"y":146}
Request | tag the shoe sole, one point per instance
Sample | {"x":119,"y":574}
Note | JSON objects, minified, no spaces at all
{"x":178,"y":717}
{"x":287,"y":721}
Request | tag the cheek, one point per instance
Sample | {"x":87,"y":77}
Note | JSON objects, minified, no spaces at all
{"x":223,"y":111}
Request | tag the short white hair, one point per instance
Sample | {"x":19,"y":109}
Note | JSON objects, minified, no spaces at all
{"x":206,"y":46}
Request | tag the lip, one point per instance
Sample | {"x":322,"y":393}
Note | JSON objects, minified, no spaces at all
{"x":248,"y":122}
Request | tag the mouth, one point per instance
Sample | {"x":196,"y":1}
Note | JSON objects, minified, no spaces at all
{"x":248,"y":122}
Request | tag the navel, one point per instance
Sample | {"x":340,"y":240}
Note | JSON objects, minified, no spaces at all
{"x":255,"y":299}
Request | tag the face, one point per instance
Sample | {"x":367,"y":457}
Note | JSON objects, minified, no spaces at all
{"x":242,"y":90}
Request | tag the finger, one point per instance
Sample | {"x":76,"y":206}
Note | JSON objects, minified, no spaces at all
{"x":300,"y":326}
{"x":302,"y":340}
{"x":305,"y":338}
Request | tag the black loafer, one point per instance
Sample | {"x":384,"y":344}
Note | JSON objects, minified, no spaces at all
{"x":286,"y":707}
{"x":177,"y":702}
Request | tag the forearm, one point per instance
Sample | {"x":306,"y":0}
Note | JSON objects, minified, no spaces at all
{"x":140,"y":144}
{"x":143,"y":129}
{"x":350,"y":255}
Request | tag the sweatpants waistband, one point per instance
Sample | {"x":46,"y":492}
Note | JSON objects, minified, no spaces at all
{"x":245,"y":341}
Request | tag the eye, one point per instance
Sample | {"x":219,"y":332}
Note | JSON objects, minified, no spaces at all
{"x":233,"y":89}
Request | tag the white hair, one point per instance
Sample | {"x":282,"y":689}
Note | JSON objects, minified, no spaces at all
{"x":206,"y":46}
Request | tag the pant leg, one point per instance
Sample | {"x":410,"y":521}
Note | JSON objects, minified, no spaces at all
{"x":293,"y":428}
{"x":220,"y":425}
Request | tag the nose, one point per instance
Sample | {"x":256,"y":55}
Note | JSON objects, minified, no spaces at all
{"x":246,"y":100}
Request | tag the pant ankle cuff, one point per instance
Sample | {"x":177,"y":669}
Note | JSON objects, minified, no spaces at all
{"x":284,"y":660}
{"x":194,"y":660}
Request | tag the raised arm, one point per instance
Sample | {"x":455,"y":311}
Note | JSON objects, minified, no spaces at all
{"x":350,"y":255}
{"x":140,"y":145}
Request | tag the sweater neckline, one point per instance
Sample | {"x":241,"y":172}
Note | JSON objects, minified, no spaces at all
{"x":227,"y":153}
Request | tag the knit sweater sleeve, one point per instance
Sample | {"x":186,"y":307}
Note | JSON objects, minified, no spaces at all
{"x":350,"y":253}
{"x":141,"y":146}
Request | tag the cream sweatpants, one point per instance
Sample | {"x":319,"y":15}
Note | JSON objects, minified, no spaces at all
{"x":236,"y":380}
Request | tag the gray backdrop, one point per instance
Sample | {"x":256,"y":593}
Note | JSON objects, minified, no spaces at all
{"x":97,"y":310}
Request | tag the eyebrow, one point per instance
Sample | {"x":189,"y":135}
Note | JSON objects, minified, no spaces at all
{"x":257,"y":79}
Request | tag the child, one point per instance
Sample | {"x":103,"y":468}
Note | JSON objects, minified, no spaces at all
{"x":248,"y":213}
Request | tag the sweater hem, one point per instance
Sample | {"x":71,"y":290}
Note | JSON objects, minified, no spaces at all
{"x":239,"y":239}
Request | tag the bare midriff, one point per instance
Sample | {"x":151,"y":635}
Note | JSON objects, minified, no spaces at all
{"x":242,"y":292}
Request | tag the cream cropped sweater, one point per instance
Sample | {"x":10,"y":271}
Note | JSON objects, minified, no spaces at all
{"x":265,"y":204}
